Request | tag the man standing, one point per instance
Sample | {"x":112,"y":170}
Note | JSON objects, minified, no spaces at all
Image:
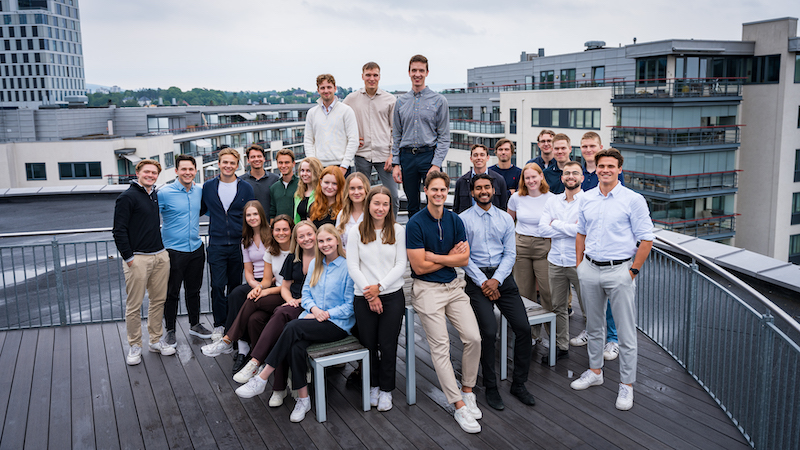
{"x":138,"y":239}
{"x":259,"y":179}
{"x":462,"y":200}
{"x":490,"y":234}
{"x":179,"y":204}
{"x":282,"y":193}
{"x":611,"y":219}
{"x":420,"y":134}
{"x":374,"y":109}
{"x":224,"y":198}
{"x":545,"y":143}
{"x":437,"y":243}
{"x":510,"y":173}
{"x":559,"y":222}
{"x":562,"y":147}
{"x":331,"y":133}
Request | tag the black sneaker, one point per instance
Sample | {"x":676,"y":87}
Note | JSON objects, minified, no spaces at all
{"x":170,"y":339}
{"x":494,"y":399}
{"x":239,"y":361}
{"x":521,"y":392}
{"x":200,"y":331}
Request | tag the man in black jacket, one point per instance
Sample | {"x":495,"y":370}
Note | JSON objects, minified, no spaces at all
{"x":138,"y":239}
{"x":462,"y":201}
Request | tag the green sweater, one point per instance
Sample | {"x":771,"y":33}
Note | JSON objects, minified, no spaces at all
{"x":282,"y":198}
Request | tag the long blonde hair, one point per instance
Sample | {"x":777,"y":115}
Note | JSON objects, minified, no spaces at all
{"x":316,"y":168}
{"x":319,"y":262}
{"x":293,"y":246}
{"x":347,"y":209}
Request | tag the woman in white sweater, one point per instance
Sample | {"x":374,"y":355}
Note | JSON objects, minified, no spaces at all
{"x":376,"y":260}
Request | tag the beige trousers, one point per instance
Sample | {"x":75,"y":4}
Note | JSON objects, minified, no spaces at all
{"x":150,"y":272}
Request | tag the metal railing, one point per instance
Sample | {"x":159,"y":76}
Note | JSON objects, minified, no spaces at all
{"x":702,"y":227}
{"x":679,"y":184}
{"x":678,"y":88}
{"x":537,"y":85}
{"x":478,"y":126}
{"x":731,"y":344}
{"x":216,"y":126}
{"x":676,"y":137}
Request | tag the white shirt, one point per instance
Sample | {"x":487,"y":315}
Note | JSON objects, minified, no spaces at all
{"x":227,"y":192}
{"x":613,"y":224}
{"x":377,"y":262}
{"x":277,"y":264}
{"x":559,"y":222}
{"x":529,"y":212}
{"x":348,"y":226}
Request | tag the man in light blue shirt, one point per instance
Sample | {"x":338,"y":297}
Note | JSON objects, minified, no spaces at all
{"x":490,"y":233}
{"x":179,"y":205}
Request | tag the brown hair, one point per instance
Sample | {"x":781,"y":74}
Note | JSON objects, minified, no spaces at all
{"x":265,"y":231}
{"x":347,"y":209}
{"x":550,"y":132}
{"x":320,"y":208}
{"x":326,"y":77}
{"x":275,"y":246}
{"x":418,"y":58}
{"x":369,"y":66}
{"x":523,"y":188}
{"x":562,"y":137}
{"x":316,"y":167}
{"x":573,"y":163}
{"x":319,"y":259}
{"x":285,"y":152}
{"x":437,"y":174}
{"x":293,"y":247}
{"x":609,"y":152}
{"x":367,"y":226}
{"x":503,"y":142}
{"x":228,"y":151}
{"x":257,"y":148}
{"x":184,"y":157}
{"x":592,"y":135}
{"x":145,"y":162}
{"x":474,"y":146}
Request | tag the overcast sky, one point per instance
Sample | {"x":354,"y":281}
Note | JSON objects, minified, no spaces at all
{"x":260,"y":45}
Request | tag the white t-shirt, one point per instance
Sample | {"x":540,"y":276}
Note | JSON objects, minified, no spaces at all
{"x":529,"y":210}
{"x":227,"y":192}
{"x":277,"y":264}
{"x":348,"y":226}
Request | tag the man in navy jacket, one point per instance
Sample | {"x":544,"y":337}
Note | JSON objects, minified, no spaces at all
{"x":224,"y":198}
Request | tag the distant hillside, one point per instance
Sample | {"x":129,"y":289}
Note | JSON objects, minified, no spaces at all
{"x":197,"y":96}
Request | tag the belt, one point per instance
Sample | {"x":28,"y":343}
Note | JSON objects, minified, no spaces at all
{"x":417,"y":150}
{"x":488,"y":271}
{"x":608,"y":263}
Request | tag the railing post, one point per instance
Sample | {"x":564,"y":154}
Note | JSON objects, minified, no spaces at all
{"x":60,"y":291}
{"x":764,"y":402}
{"x":691,"y":315}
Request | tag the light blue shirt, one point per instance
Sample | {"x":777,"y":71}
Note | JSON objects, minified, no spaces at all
{"x":491,"y":242}
{"x":333,"y":293}
{"x":180,"y":212}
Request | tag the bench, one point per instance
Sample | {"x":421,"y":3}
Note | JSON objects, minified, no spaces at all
{"x":536,"y":315}
{"x":333,"y":353}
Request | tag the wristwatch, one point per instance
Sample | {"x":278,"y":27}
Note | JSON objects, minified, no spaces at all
{"x":634,"y":271}
{"x":380,"y":288}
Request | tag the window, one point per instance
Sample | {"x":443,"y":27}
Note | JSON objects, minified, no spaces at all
{"x":460,"y":113}
{"x":795,"y":208}
{"x":512,"y":121}
{"x":763,"y":69}
{"x":453,"y":171}
{"x":155,"y":158}
{"x":567,"y":78}
{"x":598,"y":76}
{"x":651,"y":71}
{"x":169,"y":160}
{"x":36,"y":171}
{"x":546,"y":79}
{"x":797,"y":68}
{"x":566,"y":118}
{"x":79,"y":170}
{"x":157,"y":124}
{"x":794,"y":249}
{"x":796,"y":166}
{"x":33,"y":4}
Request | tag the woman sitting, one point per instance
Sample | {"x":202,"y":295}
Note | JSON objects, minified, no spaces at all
{"x":328,"y":197}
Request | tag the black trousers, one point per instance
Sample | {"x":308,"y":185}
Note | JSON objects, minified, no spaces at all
{"x":511,"y":306}
{"x":226,"y":267}
{"x":185,"y":268}
{"x":294,"y":341}
{"x":379,"y":333}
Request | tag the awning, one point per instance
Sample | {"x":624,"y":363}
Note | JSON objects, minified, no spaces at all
{"x":203,"y":143}
{"x":131,"y":157}
{"x":247,"y":116}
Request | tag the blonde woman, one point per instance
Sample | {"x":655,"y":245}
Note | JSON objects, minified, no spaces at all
{"x":310,"y":168}
{"x":356,"y":188}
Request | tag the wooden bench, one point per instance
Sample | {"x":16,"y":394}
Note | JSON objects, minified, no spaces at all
{"x":333,"y":353}
{"x":536,"y":315}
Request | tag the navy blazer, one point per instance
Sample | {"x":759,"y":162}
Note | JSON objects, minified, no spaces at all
{"x":225,"y":227}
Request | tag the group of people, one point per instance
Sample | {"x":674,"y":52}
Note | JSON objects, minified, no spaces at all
{"x":323,"y":257}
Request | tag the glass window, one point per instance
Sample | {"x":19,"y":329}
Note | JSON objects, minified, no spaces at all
{"x":794,"y":249}
{"x":535,"y":117}
{"x":599,"y":75}
{"x":169,"y":160}
{"x":546,"y":79}
{"x":567,"y":78}
{"x":554,"y":118}
{"x":512,"y":121}
{"x":32,"y":4}
{"x":79,"y":170}
{"x":797,"y":69}
{"x":453,"y":170}
{"x":796,"y":166}
{"x":795,"y":208}
{"x":36,"y":171}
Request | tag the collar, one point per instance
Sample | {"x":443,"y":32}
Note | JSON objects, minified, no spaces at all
{"x":492,"y":211}
{"x":266,"y":174}
{"x":136,"y":182}
{"x":614,"y":192}
{"x":364,"y":91}
{"x":337,"y":262}
{"x":420,"y":93}
{"x":180,"y":187}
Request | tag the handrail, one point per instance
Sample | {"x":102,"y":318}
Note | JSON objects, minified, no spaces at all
{"x":775,"y":309}
{"x":72,"y":231}
{"x":683,"y":176}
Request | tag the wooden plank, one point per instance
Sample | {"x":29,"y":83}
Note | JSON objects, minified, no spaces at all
{"x":60,"y":395}
{"x":39,"y":407}
{"x":19,"y":398}
{"x":353,"y":416}
{"x":130,"y":435}
{"x":105,"y":421}
{"x":8,"y":360}
{"x":82,"y":416}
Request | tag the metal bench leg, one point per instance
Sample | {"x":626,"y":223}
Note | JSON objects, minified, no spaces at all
{"x":319,"y":388}
{"x":503,"y":347}
{"x":411,"y":358}
{"x":553,"y":342}
{"x":365,"y":382}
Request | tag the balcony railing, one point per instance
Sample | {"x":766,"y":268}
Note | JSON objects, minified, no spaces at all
{"x":217,"y":126}
{"x":539,"y":85}
{"x":703,"y":227}
{"x":478,"y":126}
{"x":461,"y":145}
{"x":678,"y":88}
{"x":679,"y":184}
{"x":676,"y":137}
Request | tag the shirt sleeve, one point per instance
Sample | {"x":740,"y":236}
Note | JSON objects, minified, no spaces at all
{"x":245,"y":254}
{"x":122,"y":217}
{"x":512,"y":202}
{"x":286,"y":269}
{"x":308,"y":138}
{"x":442,"y":133}
{"x":400,"y":258}
{"x":414,"y":239}
{"x":397,"y":133}
{"x":509,"y":250}
{"x":351,"y":129}
{"x":471,"y":269}
{"x":641,"y":224}
{"x":460,"y":231}
{"x":354,"y":259}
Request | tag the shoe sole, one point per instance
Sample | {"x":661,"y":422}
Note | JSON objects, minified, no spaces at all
{"x":624,"y":408}
{"x":586,"y":387}
{"x":214,"y":355}
{"x":610,"y":358}
{"x":200,"y":335}
{"x":168,"y":353}
{"x":135,"y":363}
{"x":580,"y":344}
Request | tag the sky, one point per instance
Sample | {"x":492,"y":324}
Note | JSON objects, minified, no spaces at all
{"x":260,"y":45}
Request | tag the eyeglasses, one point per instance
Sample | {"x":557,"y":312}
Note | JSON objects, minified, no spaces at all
{"x":548,"y":141}
{"x":573,"y":174}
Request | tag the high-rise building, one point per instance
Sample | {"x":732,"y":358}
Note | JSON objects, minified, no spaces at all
{"x":41,"y":55}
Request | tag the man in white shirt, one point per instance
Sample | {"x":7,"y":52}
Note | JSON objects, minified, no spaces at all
{"x":331,"y":133}
{"x":559,"y":222}
{"x":611,"y":219}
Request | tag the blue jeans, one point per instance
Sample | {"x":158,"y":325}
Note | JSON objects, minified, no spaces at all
{"x":226,"y":267}
{"x":611,"y":327}
{"x":414,"y":167}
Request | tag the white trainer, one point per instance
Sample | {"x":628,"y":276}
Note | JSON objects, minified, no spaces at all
{"x":217,"y":348}
{"x":580,"y":340}
{"x":134,"y":355}
{"x":373,"y":395}
{"x":466,"y":421}
{"x":217,"y":334}
{"x":384,"y":401}
{"x":587,"y":379}
{"x":254,"y":386}
{"x":472,"y":404}
{"x":162,"y":347}
{"x":301,"y":407}
{"x":276,"y":399}
{"x":625,"y":397}
{"x":248,"y":371}
{"x":610,"y":351}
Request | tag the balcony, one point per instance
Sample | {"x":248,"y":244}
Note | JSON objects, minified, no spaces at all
{"x":681,"y":184}
{"x":677,"y":88}
{"x":478,"y":126}
{"x":676,"y":137}
{"x":217,"y":126}
{"x":539,"y":85}
{"x":712,"y":227}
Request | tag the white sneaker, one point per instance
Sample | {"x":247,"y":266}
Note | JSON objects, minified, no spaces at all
{"x":579,"y":340}
{"x":162,"y":347}
{"x":625,"y":397}
{"x":466,"y":421}
{"x":255,"y":386}
{"x":472,"y":404}
{"x":587,"y":379}
{"x":277,"y":398}
{"x":218,"y":334}
{"x":384,"y":401}
{"x":134,"y":355}
{"x":248,"y":371}
{"x":217,"y":348}
{"x":610,"y":351}
{"x":301,"y":407}
{"x":373,"y":395}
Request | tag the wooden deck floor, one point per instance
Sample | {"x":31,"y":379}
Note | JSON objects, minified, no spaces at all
{"x":69,"y":387}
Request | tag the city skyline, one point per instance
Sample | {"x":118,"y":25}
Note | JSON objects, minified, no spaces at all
{"x":125,"y":41}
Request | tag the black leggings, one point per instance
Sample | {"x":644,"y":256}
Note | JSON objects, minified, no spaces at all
{"x":294,"y":342}
{"x":379,"y":333}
